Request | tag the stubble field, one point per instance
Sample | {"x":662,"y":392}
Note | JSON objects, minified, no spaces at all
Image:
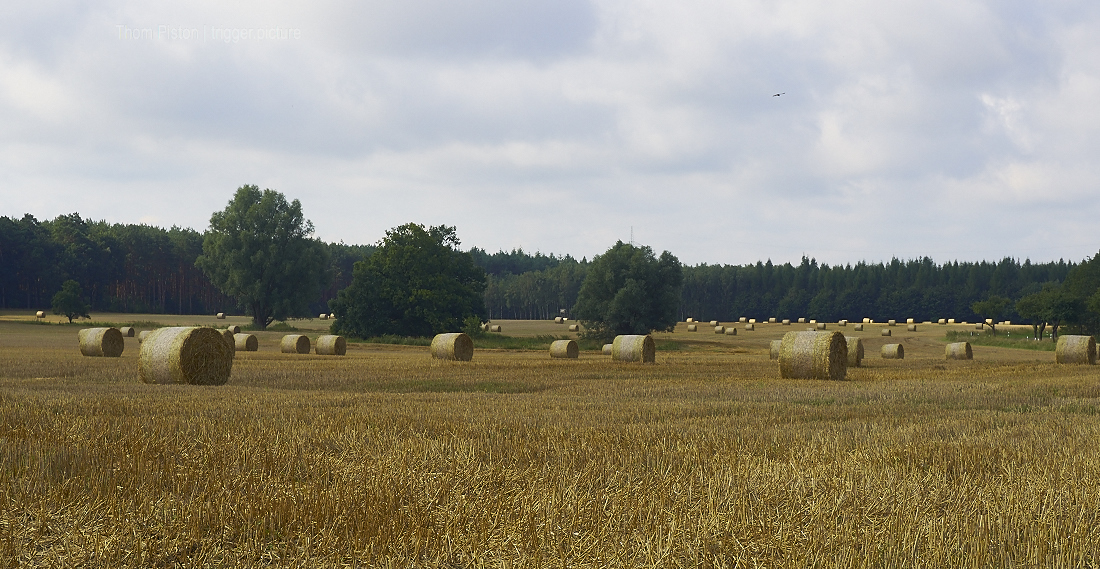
{"x":705,"y":459}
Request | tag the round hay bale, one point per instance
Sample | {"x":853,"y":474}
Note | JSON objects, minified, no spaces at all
{"x":731,"y":331}
{"x":855,"y":351}
{"x":813,"y":355}
{"x":484,"y":327}
{"x":127,"y":331}
{"x":1075,"y":350}
{"x":245,"y":342}
{"x":294,"y":344}
{"x":820,"y":325}
{"x":40,"y":314}
{"x":886,"y":332}
{"x":786,"y":322}
{"x":574,"y":328}
{"x":234,"y":329}
{"x":801,"y":320}
{"x":101,"y":342}
{"x":494,"y":328}
{"x":910,"y":321}
{"x":719,"y":329}
{"x":891,"y":322}
{"x":750,"y":327}
{"x":142,"y":335}
{"x":771,"y":320}
{"x":842,"y":323}
{"x":866,"y":320}
{"x":979,"y":326}
{"x":690,"y":320}
{"x":227,"y":335}
{"x":752,"y":321}
{"x":742,"y":319}
{"x":633,"y":348}
{"x":950,"y":320}
{"x":564,"y":349}
{"x":715,"y":322}
{"x":911,"y":327}
{"x":941,"y":321}
{"x":607,"y":349}
{"x":775,"y":347}
{"x":332,"y":316}
{"x":692,"y":327}
{"x":557,"y":320}
{"x":893,"y":352}
{"x":455,"y":346}
{"x":322,"y":316}
{"x":989,"y":321}
{"x":220,"y":316}
{"x":813,"y":322}
{"x":330,"y":345}
{"x":959,"y":351}
{"x":859,"y":327}
{"x":187,"y":354}
{"x":565,"y":319}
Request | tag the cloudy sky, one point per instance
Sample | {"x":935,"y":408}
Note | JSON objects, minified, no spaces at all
{"x":956,"y":129}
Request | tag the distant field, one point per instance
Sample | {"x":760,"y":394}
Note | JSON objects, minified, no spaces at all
{"x":705,"y":459}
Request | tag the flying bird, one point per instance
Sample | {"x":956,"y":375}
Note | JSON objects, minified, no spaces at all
{"x":778,"y":94}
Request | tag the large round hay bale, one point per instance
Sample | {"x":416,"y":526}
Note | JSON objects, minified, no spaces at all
{"x":40,"y":314}
{"x":941,"y":321}
{"x":294,"y":344}
{"x":246,"y":342}
{"x":771,"y":320}
{"x":494,"y":328}
{"x":891,"y":322}
{"x":743,"y":319}
{"x":101,"y":342}
{"x":220,"y":316}
{"x":911,"y":327}
{"x":142,"y":335}
{"x":910,"y":321}
{"x":950,"y":320}
{"x":855,"y":351}
{"x":979,"y":326}
{"x":692,"y":327}
{"x":750,"y":327}
{"x":1075,"y":350}
{"x":959,"y":351}
{"x":842,"y":323}
{"x":775,"y":347}
{"x":719,"y":329}
{"x":859,"y":327}
{"x":234,"y":329}
{"x":557,"y":320}
{"x":484,"y":327}
{"x":893,"y":352}
{"x":190,"y":355}
{"x":330,"y":345}
{"x":886,"y":332}
{"x":751,"y":321}
{"x":690,"y":320}
{"x":821,"y":325}
{"x":574,"y":328}
{"x":715,"y":322}
{"x":322,"y":316}
{"x":607,"y":349}
{"x":454,"y":346}
{"x":786,"y":321}
{"x":813,"y":322}
{"x":227,"y":335}
{"x":332,"y":316}
{"x":813,"y":355}
{"x":731,"y":331}
{"x":801,"y":320}
{"x":564,"y":349}
{"x":633,"y":348}
{"x":866,"y":320}
{"x":127,"y":331}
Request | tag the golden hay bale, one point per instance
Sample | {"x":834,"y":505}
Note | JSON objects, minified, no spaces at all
{"x":690,"y":320}
{"x":891,"y":322}
{"x":989,"y":321}
{"x":227,"y":335}
{"x":820,"y":325}
{"x":859,"y":327}
{"x":1007,"y":323}
{"x":719,"y":329}
{"x":127,"y":331}
{"x":886,"y":332}
{"x":814,"y":322}
{"x":557,"y":320}
{"x":776,"y":345}
{"x":742,"y":320}
{"x":786,"y":322}
{"x":565,"y":319}
{"x":186,"y":354}
{"x":607,"y":349}
{"x":950,"y":320}
{"x":855,"y":351}
{"x":330,"y":345}
{"x":813,"y":355}
{"x":484,"y":327}
{"x":142,"y":335}
{"x":750,"y":327}
{"x":959,"y":351}
{"x":979,"y":326}
{"x":494,"y":328}
{"x":454,"y":346}
{"x":801,"y":320}
{"x":941,"y":321}
{"x":866,"y":320}
{"x":564,"y":349}
{"x":715,"y":322}
{"x":1075,"y":350}
{"x":692,"y":327}
{"x":771,"y":320}
{"x":893,"y":352}
{"x":574,"y":328}
{"x":911,"y":327}
{"x":101,"y":342}
{"x":234,"y":329}
{"x":731,"y":331}
{"x":245,"y":342}
{"x":323,"y":316}
{"x":220,"y":316}
{"x":842,"y":323}
{"x":294,"y":344}
{"x":751,"y":321}
{"x":633,"y":348}
{"x":40,"y":314}
{"x":910,"y":321}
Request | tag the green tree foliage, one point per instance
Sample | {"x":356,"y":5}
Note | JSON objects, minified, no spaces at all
{"x":629,"y":291}
{"x":69,"y":301}
{"x":416,"y":283}
{"x":991,"y":309}
{"x":259,"y":251}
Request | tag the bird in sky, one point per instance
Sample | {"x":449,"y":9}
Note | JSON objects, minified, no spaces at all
{"x":778,"y":94}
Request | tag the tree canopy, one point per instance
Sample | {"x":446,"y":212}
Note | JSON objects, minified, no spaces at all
{"x":259,"y":250}
{"x":69,"y":301}
{"x":628,"y":290}
{"x":416,"y":283}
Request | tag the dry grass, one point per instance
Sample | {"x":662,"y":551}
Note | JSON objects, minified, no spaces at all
{"x":390,"y":458}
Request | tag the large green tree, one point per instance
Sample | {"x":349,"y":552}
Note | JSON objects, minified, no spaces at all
{"x":991,"y":309}
{"x":69,"y":301}
{"x":416,"y":283}
{"x":629,"y":291}
{"x":259,"y":250}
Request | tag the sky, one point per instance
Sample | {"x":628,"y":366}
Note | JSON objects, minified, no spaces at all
{"x":958,"y":130}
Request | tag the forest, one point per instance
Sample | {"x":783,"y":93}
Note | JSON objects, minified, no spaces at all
{"x":140,"y":268}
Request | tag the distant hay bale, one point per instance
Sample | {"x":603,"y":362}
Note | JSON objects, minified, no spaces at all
{"x":715,"y":322}
{"x":786,"y":322}
{"x":564,"y":349}
{"x":893,"y":352}
{"x":574,"y":328}
{"x":866,"y":320}
{"x":565,"y":319}
{"x":731,"y":331}
{"x":941,"y":321}
{"x":294,"y":344}
{"x":188,"y":355}
{"x":821,"y":325}
{"x":245,"y":342}
{"x":142,"y":335}
{"x":859,"y":327}
{"x":484,"y":327}
{"x":989,"y":321}
{"x":220,"y":316}
{"x":750,"y":327}
{"x":1075,"y":350}
{"x":842,"y":323}
{"x":742,"y":320}
{"x":692,"y":327}
{"x":959,"y":351}
{"x":332,"y":316}
{"x":557,"y":320}
{"x":227,"y":335}
{"x":950,"y":320}
{"x":330,"y":345}
{"x":101,"y":342}
{"x":776,"y":345}
{"x":127,"y":331}
{"x":771,"y":320}
{"x":234,"y":329}
{"x":801,"y":320}
{"x":813,"y":355}
{"x":752,"y":321}
{"x":719,"y":329}
{"x":633,"y":348}
{"x":855,"y":351}
{"x":40,"y":314}
{"x":1007,"y":323}
{"x":690,"y":320}
{"x":454,"y":346}
{"x":885,"y":331}
{"x":910,"y":321}
{"x":494,"y":328}
{"x":891,"y":322}
{"x":607,"y":349}
{"x":814,"y":322}
{"x":911,"y":327}
{"x":979,"y":326}
{"x":323,"y":316}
